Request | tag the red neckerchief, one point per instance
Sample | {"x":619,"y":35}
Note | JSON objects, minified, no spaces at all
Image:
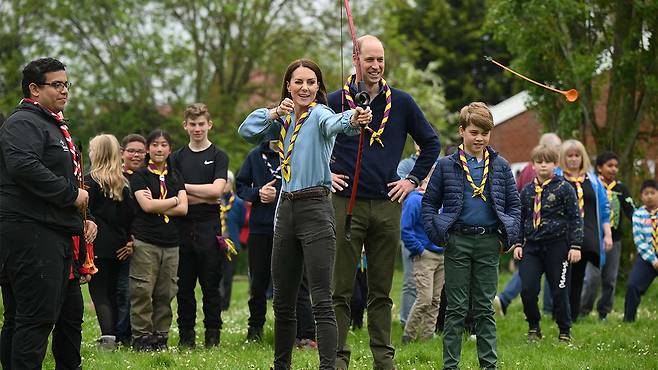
{"x":59,"y":117}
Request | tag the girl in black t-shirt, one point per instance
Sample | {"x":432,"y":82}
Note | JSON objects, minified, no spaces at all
{"x":161,"y":196}
{"x":109,"y":198}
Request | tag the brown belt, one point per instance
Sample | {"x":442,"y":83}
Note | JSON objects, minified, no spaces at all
{"x":308,"y":193}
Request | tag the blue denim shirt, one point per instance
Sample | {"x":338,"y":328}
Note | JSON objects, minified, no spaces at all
{"x":310,"y":157}
{"x":476,"y":212}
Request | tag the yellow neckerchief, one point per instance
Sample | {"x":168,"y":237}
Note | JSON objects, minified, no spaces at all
{"x":478,"y":191}
{"x":654,"y":229}
{"x":153,"y":168}
{"x":126,"y":170}
{"x":578,"y":181}
{"x":224,"y":208}
{"x":608,"y":188}
{"x":374,"y":135}
{"x":536,"y":213}
{"x":286,"y":157}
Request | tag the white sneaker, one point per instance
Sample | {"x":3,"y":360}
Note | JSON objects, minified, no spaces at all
{"x":498,"y":306}
{"x":107,"y":343}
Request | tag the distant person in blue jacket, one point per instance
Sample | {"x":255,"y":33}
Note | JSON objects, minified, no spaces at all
{"x":427,"y":270}
{"x":480,"y":215}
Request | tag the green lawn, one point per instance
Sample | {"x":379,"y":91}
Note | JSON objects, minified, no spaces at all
{"x":596,"y":345}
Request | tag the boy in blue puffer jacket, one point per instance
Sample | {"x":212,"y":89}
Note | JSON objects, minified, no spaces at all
{"x":480,"y":216}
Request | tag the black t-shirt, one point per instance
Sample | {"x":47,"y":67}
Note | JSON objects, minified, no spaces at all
{"x":199,"y":168}
{"x":151,"y":227}
{"x":591,"y":222}
{"x":112,"y":217}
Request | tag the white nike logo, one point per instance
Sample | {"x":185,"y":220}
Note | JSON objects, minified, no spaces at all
{"x":208,"y":162}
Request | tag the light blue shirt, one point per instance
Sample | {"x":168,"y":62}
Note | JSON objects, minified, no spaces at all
{"x":309,"y":162}
{"x":476,"y":212}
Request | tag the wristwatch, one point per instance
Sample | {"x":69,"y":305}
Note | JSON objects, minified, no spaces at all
{"x":413,"y":180}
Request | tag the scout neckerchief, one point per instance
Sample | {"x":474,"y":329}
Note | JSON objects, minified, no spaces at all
{"x":375,"y":135}
{"x":275,"y":173}
{"x":578,"y":181}
{"x":654,"y":229}
{"x":59,"y":117}
{"x":224,"y":208}
{"x":478,"y":191}
{"x":126,"y":170}
{"x":286,"y":156}
{"x":608,"y":188}
{"x":161,"y":176}
{"x":536,"y":211}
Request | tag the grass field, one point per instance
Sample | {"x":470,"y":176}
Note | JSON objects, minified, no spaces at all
{"x":596,"y":345}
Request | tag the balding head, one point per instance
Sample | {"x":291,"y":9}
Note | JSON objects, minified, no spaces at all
{"x":369,"y":41}
{"x":551,"y":140}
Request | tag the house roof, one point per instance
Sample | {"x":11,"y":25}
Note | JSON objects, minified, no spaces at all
{"x":510,"y":107}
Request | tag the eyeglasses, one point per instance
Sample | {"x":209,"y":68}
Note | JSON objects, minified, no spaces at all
{"x":135,"y":151}
{"x":58,"y":85}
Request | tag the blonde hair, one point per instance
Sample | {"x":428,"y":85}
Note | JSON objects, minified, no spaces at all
{"x":476,"y":114}
{"x":585,"y":164}
{"x":105,"y":155}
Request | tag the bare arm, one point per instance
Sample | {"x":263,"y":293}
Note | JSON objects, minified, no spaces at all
{"x":150,"y":205}
{"x":181,"y":208}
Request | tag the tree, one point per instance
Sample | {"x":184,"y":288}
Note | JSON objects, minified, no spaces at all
{"x":450,"y":33}
{"x":608,"y":50}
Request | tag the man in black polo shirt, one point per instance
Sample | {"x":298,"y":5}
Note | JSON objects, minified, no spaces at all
{"x":203,"y":167}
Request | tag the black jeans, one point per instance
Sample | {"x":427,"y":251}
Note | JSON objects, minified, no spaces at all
{"x":103,"y":292}
{"x":226,"y":283}
{"x":640,"y":279}
{"x":576,"y":281}
{"x":549,"y":258}
{"x":124,"y":332}
{"x":259,"y":251}
{"x":200,"y":257}
{"x":304,"y":238}
{"x":35,"y":263}
{"x":305,"y":319}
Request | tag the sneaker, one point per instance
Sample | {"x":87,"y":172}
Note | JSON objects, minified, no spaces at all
{"x":159,"y":341}
{"x":187,"y":338}
{"x":603,"y":317}
{"x":306,"y":343}
{"x":472,"y":338}
{"x":534,"y":335}
{"x":107,"y":343}
{"x":564,"y":337}
{"x":142,"y":343}
{"x":212,"y":338}
{"x":254,"y":334}
{"x":498,"y":306}
{"x":406,"y":340}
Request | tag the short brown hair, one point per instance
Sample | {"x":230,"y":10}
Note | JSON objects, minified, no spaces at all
{"x":130,"y":138}
{"x":544,"y":153}
{"x":476,"y":114}
{"x":196,"y":110}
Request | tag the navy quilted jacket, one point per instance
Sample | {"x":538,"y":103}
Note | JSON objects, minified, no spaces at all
{"x":446,"y":190}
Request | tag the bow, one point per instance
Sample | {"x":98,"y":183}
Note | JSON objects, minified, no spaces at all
{"x":362,"y":99}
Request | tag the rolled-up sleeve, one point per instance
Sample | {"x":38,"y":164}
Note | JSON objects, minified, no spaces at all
{"x":258,"y":127}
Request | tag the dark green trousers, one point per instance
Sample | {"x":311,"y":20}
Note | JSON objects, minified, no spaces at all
{"x":471,"y":269}
{"x":375,"y":225}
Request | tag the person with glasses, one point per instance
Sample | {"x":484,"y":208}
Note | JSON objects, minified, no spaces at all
{"x":133,"y":151}
{"x":41,"y":216}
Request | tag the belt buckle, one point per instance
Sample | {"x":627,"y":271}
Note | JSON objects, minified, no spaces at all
{"x":481,"y":230}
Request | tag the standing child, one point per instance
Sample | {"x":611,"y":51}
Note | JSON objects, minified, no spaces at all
{"x":481,"y":214}
{"x":553,"y":231}
{"x":428,"y":270}
{"x":161,"y":196}
{"x":621,"y":204}
{"x":109,"y":202}
{"x":645,"y":235}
